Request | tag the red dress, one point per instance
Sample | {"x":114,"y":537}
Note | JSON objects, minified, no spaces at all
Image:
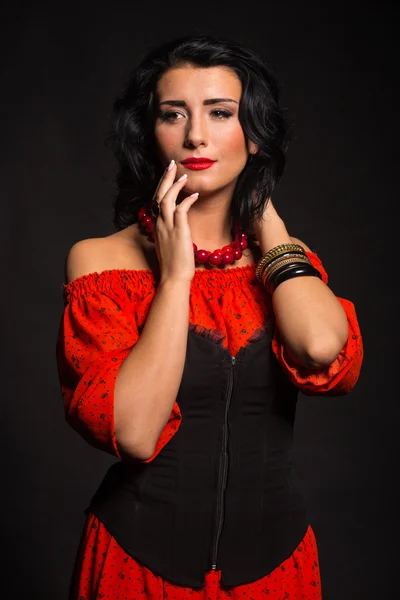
{"x":103,"y":316}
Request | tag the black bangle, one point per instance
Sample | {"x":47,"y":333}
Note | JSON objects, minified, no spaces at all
{"x":291,"y":265}
{"x":294,"y":271}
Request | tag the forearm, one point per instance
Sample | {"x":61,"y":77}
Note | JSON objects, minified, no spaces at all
{"x":149,"y":378}
{"x":312,"y":322}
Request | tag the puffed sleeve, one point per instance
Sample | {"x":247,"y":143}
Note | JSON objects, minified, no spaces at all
{"x":339,"y":377}
{"x":97,"y":331}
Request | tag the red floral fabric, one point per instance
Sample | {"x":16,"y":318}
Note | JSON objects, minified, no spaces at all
{"x":103,"y":316}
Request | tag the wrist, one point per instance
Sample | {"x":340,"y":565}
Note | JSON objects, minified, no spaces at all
{"x":274,"y":235}
{"x":175,"y":283}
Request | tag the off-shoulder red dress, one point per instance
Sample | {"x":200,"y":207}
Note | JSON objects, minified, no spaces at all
{"x":103,"y":316}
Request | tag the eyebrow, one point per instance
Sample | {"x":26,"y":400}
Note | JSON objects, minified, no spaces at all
{"x":206,"y":102}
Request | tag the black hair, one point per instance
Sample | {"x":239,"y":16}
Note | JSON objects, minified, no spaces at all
{"x":260,"y":114}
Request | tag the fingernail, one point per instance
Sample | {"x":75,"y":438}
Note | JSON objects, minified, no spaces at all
{"x":183,"y":177}
{"x":171,"y":165}
{"x":193,"y":195}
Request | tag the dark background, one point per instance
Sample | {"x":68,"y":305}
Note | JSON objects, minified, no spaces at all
{"x":61,"y":67}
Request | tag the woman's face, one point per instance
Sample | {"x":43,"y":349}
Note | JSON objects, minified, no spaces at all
{"x":198,"y":116}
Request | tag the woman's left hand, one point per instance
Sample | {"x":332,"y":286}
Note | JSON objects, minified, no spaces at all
{"x":312,"y":322}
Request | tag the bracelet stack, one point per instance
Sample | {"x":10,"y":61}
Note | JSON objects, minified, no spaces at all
{"x":284,"y":262}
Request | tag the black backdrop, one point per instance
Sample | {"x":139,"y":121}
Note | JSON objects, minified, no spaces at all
{"x":61,"y":66}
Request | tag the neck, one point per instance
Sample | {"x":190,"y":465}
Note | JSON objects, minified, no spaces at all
{"x":210,"y":222}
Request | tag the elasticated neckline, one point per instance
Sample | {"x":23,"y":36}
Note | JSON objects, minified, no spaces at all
{"x":201,"y":277}
{"x":126,"y":278}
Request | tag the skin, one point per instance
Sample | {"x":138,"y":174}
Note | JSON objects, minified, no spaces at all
{"x":212,"y":131}
{"x":311,"y":321}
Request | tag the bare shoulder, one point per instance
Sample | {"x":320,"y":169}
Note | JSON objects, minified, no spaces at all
{"x":297,"y":241}
{"x":119,"y":250}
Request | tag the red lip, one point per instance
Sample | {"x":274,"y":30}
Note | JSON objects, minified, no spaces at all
{"x":198,"y":166}
{"x":193,"y":160}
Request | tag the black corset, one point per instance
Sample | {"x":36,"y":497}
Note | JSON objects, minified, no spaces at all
{"x":222,"y":494}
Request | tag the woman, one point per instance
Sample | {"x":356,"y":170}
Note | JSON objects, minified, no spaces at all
{"x":186,"y":336}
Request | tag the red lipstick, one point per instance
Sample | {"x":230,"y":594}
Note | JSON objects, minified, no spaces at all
{"x":197,"y":164}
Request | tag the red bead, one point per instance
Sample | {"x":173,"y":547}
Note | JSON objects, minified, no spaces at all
{"x":227,"y":258}
{"x":215,"y":259}
{"x":145,"y":221}
{"x":201,"y":256}
{"x":142,"y":213}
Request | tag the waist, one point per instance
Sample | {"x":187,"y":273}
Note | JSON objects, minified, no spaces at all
{"x":182,"y":527}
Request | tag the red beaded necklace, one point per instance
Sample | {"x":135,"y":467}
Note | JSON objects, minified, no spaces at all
{"x":219,"y":258}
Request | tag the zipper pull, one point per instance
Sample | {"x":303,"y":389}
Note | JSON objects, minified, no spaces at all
{"x":233,"y":358}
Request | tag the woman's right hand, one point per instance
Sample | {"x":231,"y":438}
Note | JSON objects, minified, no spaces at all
{"x":173,"y":240}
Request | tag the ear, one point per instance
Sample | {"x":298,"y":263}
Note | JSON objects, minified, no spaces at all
{"x":252,"y":147}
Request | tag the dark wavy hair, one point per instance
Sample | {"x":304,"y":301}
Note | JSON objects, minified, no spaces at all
{"x":260,"y":114}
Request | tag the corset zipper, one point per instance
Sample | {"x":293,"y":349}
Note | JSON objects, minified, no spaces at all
{"x":223,"y":472}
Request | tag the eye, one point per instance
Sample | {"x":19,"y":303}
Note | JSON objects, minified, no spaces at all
{"x":170,"y":116}
{"x":221,"y":113}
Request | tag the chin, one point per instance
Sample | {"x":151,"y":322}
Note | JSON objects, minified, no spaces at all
{"x":206,"y":188}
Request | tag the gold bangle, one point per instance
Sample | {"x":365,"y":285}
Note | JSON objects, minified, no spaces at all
{"x":287,"y":265}
{"x":274,"y":253}
{"x":283,"y":254}
{"x":282,"y":247}
{"x":271,"y":268}
{"x":277,"y":261}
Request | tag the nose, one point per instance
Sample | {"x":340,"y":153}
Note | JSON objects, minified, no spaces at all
{"x":196,"y":132}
